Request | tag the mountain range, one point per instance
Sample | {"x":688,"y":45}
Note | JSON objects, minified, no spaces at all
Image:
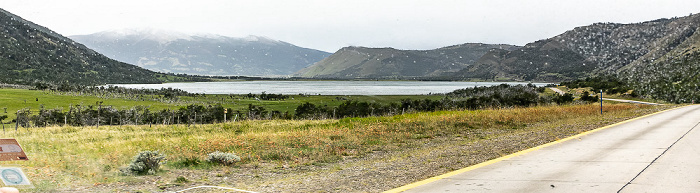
{"x":601,"y":48}
{"x":597,"y":49}
{"x":173,"y":52}
{"x":661,"y":58}
{"x":390,"y":63}
{"x":34,"y":54}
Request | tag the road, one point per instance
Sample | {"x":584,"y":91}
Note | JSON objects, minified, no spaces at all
{"x":558,"y":91}
{"x":631,"y":101}
{"x":656,"y":153}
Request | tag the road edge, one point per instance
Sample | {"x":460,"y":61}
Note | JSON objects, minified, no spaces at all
{"x":489,"y":162}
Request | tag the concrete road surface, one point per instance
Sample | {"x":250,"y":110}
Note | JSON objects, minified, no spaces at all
{"x":657,"y":153}
{"x":631,"y":101}
{"x":558,"y":91}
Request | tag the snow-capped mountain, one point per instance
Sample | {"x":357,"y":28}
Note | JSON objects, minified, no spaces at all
{"x":202,"y":54}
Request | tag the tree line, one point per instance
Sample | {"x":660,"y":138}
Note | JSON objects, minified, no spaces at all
{"x":499,"y":96}
{"x":608,"y":84}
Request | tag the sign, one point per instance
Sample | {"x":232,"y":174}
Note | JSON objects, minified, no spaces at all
{"x":11,"y":151}
{"x":13,"y":176}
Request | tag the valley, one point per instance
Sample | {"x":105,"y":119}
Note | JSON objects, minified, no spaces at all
{"x":361,"y":119}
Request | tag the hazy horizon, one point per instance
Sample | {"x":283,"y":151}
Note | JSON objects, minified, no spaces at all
{"x":329,"y":26}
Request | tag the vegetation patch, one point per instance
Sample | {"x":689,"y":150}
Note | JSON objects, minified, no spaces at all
{"x":89,"y":155}
{"x":223,"y":158}
{"x":146,"y":162}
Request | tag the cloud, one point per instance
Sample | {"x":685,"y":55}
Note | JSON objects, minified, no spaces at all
{"x":330,"y":25}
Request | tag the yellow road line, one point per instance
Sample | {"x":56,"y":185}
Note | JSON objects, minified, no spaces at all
{"x":486,"y":163}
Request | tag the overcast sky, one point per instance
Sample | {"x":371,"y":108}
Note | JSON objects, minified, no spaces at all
{"x":329,"y":24}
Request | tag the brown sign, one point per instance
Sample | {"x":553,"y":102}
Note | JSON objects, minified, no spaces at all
{"x":11,"y":151}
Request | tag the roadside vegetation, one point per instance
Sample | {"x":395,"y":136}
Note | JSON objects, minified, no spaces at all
{"x":95,"y":106}
{"x":80,"y":107}
{"x":63,"y":158}
{"x":115,"y":139}
{"x":620,"y":88}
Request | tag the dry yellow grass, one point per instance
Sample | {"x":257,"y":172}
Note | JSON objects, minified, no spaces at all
{"x":69,"y":157}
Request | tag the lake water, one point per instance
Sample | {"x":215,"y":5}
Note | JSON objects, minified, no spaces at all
{"x":322,"y":87}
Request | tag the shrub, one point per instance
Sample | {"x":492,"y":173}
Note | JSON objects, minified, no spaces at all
{"x":146,"y":162}
{"x":564,"y":99}
{"x":588,"y":98}
{"x":223,"y":158}
{"x":181,"y":179}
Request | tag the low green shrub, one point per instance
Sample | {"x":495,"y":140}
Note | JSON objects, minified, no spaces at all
{"x":146,"y":162}
{"x":223,"y":158}
{"x":588,"y":98}
{"x":181,"y":179}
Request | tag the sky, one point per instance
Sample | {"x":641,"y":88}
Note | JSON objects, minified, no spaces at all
{"x":329,"y":25}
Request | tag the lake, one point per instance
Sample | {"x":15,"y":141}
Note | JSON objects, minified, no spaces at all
{"x":322,"y":87}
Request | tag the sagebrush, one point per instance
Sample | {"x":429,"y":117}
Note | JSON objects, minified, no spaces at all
{"x":146,"y":162}
{"x":223,"y":158}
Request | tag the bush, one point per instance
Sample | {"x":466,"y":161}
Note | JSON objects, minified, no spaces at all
{"x":146,"y":162}
{"x":564,"y":99}
{"x":223,"y":158}
{"x":588,"y":98}
{"x":181,"y":179}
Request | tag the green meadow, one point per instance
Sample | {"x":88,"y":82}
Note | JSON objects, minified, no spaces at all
{"x":12,"y":100}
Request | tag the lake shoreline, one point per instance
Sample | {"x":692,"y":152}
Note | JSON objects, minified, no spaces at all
{"x":340,"y":88}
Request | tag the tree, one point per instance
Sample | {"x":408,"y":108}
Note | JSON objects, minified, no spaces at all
{"x":306,"y":110}
{"x":588,"y":98}
{"x":564,"y":99}
{"x":256,"y":112}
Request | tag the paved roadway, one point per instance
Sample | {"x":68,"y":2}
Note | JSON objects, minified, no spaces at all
{"x":558,"y":91}
{"x":657,"y":153}
{"x":631,"y":101}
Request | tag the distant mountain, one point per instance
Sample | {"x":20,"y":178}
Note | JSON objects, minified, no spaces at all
{"x":598,"y":49}
{"x":173,"y":52}
{"x":34,"y":54}
{"x":361,"y":62}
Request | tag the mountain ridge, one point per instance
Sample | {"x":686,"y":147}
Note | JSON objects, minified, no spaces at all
{"x":585,"y":51}
{"x":33,"y":54}
{"x":597,"y":49}
{"x":203,"y":54}
{"x":390,"y":63}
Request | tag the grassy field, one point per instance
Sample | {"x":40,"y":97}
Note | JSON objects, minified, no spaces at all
{"x":66,"y":158}
{"x":12,"y":100}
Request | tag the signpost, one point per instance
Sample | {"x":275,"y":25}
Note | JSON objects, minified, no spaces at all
{"x":13,"y":176}
{"x":10,"y":150}
{"x":601,"y":101}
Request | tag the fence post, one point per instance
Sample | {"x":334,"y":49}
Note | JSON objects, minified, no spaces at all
{"x":17,"y":121}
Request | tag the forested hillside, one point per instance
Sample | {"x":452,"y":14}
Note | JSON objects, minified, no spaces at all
{"x":390,"y":63}
{"x":33,"y":54}
{"x":598,"y":49}
{"x":674,"y":77}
